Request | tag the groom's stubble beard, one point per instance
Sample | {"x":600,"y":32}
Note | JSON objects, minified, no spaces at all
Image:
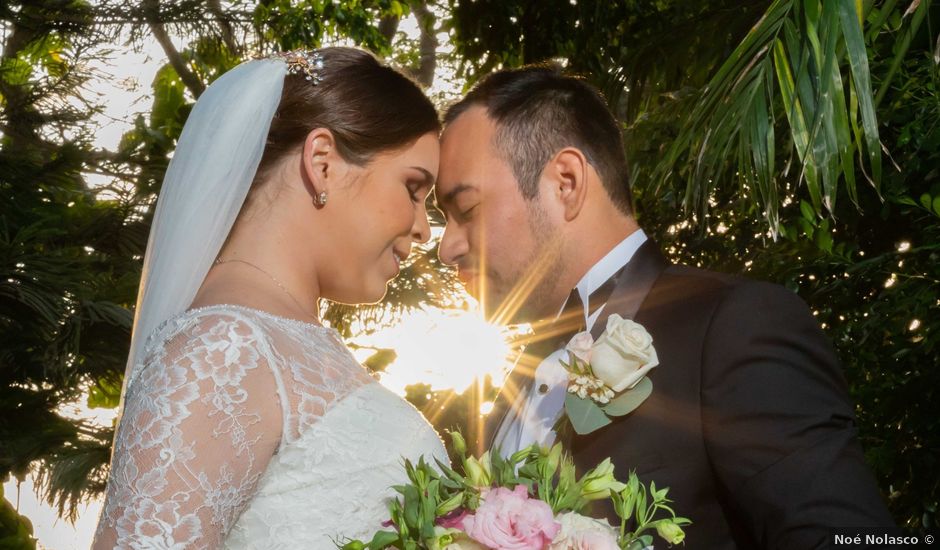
{"x":525,"y":293}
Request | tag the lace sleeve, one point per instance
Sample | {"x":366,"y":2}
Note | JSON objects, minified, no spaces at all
{"x":200,"y":425}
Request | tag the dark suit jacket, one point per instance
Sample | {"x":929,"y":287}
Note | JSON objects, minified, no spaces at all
{"x":749,"y":423}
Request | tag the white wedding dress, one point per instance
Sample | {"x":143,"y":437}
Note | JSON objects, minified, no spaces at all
{"x":248,"y":430}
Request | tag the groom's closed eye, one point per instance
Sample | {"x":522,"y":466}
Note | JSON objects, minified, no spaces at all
{"x":466,"y":214}
{"x":451,"y":205}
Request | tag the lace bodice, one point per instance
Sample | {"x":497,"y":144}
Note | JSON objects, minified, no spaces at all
{"x":249,"y":430}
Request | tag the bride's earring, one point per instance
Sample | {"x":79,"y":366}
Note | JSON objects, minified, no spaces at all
{"x":321,"y":199}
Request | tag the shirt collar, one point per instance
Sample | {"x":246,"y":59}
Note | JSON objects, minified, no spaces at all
{"x":605,"y":268}
{"x":619,"y":256}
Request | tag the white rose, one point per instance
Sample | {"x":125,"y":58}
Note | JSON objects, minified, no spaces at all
{"x":623,"y":354}
{"x":583,"y":533}
{"x":464,"y":543}
{"x":580,"y":346}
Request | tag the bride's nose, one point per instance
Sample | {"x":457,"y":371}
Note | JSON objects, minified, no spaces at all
{"x":421,"y":230}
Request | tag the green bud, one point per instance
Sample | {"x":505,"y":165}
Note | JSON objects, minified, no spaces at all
{"x":478,"y":471}
{"x":554,"y":458}
{"x":519,"y":455}
{"x":449,"y":505}
{"x":670,"y":532}
{"x":599,"y":482}
{"x":460,"y":445}
{"x":442,"y":538}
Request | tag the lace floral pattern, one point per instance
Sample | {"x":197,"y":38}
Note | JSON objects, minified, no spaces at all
{"x":231,"y":405}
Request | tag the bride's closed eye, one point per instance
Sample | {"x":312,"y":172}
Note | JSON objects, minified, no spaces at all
{"x":419,"y":183}
{"x":415,"y":188}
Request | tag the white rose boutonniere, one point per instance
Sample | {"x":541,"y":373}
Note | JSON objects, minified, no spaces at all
{"x":623,"y":354}
{"x":608,"y":377}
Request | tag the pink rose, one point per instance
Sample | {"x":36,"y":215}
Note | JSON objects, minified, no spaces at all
{"x":453,"y":520}
{"x":581,"y":345}
{"x":510,"y":520}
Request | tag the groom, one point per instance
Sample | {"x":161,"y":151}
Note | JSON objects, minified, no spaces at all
{"x":749,"y":422}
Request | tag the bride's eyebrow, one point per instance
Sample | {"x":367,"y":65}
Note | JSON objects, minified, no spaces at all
{"x":428,"y":176}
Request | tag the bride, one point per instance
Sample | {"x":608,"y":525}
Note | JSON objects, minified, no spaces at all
{"x":246,"y":423}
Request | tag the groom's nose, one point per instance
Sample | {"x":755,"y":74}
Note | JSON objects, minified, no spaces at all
{"x":454,"y":245}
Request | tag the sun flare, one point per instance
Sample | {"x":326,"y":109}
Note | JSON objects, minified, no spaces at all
{"x":445,"y":349}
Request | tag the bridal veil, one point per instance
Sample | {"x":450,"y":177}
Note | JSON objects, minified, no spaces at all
{"x":205,"y":186}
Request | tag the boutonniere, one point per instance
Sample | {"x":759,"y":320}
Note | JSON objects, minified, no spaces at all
{"x":607,"y":377}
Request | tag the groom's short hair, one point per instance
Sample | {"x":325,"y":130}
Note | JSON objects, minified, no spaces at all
{"x":538,"y":110}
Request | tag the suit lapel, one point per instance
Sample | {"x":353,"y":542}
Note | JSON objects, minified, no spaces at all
{"x":633,"y":285}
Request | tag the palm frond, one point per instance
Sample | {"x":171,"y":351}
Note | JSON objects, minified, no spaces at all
{"x":793,"y":62}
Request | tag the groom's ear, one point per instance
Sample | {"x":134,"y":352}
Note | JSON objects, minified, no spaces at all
{"x":567,"y":172}
{"x":319,"y":160}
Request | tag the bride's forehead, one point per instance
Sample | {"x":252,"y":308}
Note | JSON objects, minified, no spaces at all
{"x":423,"y":153}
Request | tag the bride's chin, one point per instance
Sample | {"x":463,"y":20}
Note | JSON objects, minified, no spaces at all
{"x":375,"y":292}
{"x":370,"y":292}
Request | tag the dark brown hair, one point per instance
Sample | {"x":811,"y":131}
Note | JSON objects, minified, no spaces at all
{"x":369,"y":108}
{"x":538,"y":110}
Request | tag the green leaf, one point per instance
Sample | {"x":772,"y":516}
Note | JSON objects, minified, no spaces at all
{"x":380,"y":360}
{"x":104,"y":394}
{"x":629,"y":400}
{"x":824,"y":240}
{"x":926,"y":200}
{"x":807,"y":228}
{"x":383,"y":539}
{"x":808,"y":213}
{"x":584,"y":414}
{"x":858,"y":61}
{"x":15,"y":72}
{"x":936,"y":205}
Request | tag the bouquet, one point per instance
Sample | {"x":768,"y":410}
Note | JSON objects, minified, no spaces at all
{"x":531,"y":500}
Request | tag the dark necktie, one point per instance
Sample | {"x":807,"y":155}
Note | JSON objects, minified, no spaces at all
{"x":572,"y":318}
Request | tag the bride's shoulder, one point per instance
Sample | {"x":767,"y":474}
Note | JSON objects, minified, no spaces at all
{"x":203,"y":326}
{"x":303,"y":352}
{"x":233,"y":324}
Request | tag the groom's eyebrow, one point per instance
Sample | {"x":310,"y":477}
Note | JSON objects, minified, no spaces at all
{"x":451,"y":195}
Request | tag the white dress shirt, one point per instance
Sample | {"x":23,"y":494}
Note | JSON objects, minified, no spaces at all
{"x":540,"y":410}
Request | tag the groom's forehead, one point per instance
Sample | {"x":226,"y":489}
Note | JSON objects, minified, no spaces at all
{"x":473,"y":125}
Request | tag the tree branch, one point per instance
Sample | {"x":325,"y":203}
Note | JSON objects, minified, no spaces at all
{"x":388,"y":26}
{"x":228,"y":35}
{"x":22,"y":122}
{"x":428,"y":43}
{"x":151,"y":10}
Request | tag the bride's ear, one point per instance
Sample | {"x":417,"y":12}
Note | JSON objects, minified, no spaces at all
{"x":320,"y":160}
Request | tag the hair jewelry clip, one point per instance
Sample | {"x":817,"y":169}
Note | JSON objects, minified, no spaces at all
{"x":306,"y":62}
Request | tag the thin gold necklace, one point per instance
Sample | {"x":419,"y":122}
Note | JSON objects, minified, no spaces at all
{"x":220,"y":261}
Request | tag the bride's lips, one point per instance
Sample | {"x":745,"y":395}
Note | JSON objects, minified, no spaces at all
{"x":399,"y":256}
